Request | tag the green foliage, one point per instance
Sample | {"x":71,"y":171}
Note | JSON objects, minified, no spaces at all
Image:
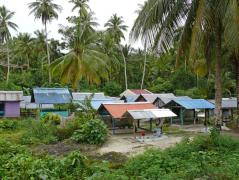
{"x":200,"y":158}
{"x":112,"y":89}
{"x":8,"y":124}
{"x":39,"y":132}
{"x":91,"y":132}
{"x":51,"y":118}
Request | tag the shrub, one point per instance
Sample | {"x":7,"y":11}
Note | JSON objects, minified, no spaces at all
{"x":8,"y":124}
{"x":92,"y":132}
{"x":51,"y":118}
{"x":39,"y":132}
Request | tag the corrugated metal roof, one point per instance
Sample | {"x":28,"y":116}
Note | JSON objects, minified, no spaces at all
{"x":129,"y":98}
{"x":27,"y":104}
{"x":117,"y":110}
{"x":52,"y":95}
{"x":151,"y":113}
{"x":194,"y":103}
{"x":227,"y":103}
{"x":11,"y":95}
{"x":82,"y":96}
{"x":140,"y":91}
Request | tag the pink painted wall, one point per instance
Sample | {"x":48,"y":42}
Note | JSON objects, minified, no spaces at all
{"x":12,"y":109}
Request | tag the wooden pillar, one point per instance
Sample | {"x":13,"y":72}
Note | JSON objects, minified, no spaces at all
{"x":113,"y":126}
{"x":171,"y":120}
{"x":194,"y":117}
{"x":232,"y":115}
{"x":134,"y":129}
{"x":150,"y":124}
{"x":138,"y":124}
{"x":181,"y":116}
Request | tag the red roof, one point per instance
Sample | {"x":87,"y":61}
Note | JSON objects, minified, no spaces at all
{"x":140,"y":91}
{"x":118,"y":110}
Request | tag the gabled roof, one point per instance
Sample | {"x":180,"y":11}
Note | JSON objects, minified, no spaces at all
{"x":140,"y":91}
{"x":52,"y":95}
{"x":11,"y":95}
{"x":150,"y":113}
{"x":148,"y":97}
{"x":227,"y":103}
{"x":129,"y":98}
{"x":117,"y":110}
{"x":135,"y":92}
{"x":80,"y":96}
{"x":192,"y":103}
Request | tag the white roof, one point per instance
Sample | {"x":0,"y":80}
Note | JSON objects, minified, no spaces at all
{"x":11,"y":95}
{"x":79,"y":96}
{"x":151,"y":113}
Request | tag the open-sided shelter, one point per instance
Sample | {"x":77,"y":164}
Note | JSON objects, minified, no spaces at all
{"x":149,"y":115}
{"x":113,"y":113}
{"x":56,"y":96}
{"x":10,"y":103}
{"x":186,"y":109}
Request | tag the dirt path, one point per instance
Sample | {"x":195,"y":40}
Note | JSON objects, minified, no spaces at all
{"x":126,"y":144}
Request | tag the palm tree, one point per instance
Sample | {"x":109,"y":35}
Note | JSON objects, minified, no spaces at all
{"x":159,"y":20}
{"x":81,"y":5}
{"x":45,"y":10}
{"x":23,"y":48}
{"x":115,"y":26}
{"x":84,"y":58}
{"x":5,"y":25}
{"x":144,"y":69}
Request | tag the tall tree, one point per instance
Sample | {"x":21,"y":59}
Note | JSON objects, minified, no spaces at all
{"x":116,"y":27}
{"x":81,"y":5}
{"x":45,"y":10}
{"x":84,"y":58}
{"x":5,"y":25}
{"x":159,"y":21}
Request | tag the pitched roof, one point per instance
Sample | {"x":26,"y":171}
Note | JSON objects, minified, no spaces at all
{"x":140,"y":91}
{"x":148,"y":97}
{"x":150,"y":113}
{"x":193,"y":103}
{"x":227,"y":103}
{"x":117,"y":110}
{"x":11,"y":95}
{"x":52,"y":95}
{"x":79,"y":96}
{"x":129,"y":98}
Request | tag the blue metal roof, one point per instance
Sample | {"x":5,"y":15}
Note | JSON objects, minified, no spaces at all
{"x":52,"y":95}
{"x":194,"y":103}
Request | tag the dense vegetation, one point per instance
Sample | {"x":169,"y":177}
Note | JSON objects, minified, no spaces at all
{"x":103,"y":64}
{"x":209,"y":157}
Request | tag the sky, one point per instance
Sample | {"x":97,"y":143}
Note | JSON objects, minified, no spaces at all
{"x":103,"y":10}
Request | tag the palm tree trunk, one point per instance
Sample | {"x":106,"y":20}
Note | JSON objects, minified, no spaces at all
{"x":145,"y":61}
{"x":8,"y":63}
{"x":48,"y":54}
{"x":218,"y":81}
{"x":125,"y":70}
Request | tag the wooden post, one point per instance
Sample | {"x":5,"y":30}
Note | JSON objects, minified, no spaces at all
{"x":181,"y":116}
{"x":150,"y":124}
{"x":138,"y":124}
{"x":113,"y":126}
{"x":194,"y":117}
{"x":171,"y":120}
{"x":232,"y":115}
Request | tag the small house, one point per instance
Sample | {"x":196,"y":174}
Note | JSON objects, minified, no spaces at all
{"x":52,"y":96}
{"x":10,"y":103}
{"x":186,"y":109}
{"x":129,"y":92}
{"x":113,"y":113}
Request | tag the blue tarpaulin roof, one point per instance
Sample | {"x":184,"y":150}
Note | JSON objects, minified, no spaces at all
{"x":52,"y":95}
{"x":194,"y":103}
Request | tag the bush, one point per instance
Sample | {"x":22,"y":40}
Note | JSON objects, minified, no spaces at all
{"x":39,"y":132}
{"x":51,"y":118}
{"x":92,"y":132}
{"x":8,"y":124}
